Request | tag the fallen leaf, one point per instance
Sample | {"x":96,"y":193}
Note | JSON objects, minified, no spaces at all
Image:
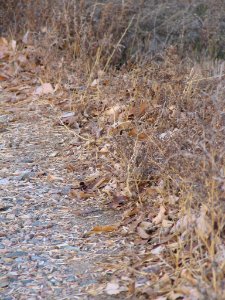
{"x":3,"y":42}
{"x":3,"y":77}
{"x":100,"y":182}
{"x":118,"y":201}
{"x":13,"y":45}
{"x":186,"y":274}
{"x":95,"y":82}
{"x":167,"y":223}
{"x":113,"y":110}
{"x":105,"y":228}
{"x":142,"y":233}
{"x":4,"y":282}
{"x":25,"y":38}
{"x":80,"y":195}
{"x":113,"y":288}
{"x":143,"y":228}
{"x":52,"y":178}
{"x":138,"y":111}
{"x":158,"y":250}
{"x":45,"y":88}
{"x":69,"y":119}
{"x":184,"y":223}
{"x":96,"y":290}
{"x":161,"y":215}
{"x":204,"y":227}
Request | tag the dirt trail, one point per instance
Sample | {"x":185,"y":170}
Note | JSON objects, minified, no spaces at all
{"x":45,"y":252}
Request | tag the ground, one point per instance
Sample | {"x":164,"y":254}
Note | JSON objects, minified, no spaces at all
{"x":46,"y":252}
{"x":111,"y":181}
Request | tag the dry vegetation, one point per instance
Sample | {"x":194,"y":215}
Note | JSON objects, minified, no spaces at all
{"x":146,"y":83}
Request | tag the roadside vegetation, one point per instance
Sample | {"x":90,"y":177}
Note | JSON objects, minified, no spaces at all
{"x":145,"y":80}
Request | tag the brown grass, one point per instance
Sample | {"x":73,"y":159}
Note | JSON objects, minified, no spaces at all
{"x":166,"y":127}
{"x":90,"y":28}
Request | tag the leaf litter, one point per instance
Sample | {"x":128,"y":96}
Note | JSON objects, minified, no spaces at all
{"x":84,"y":212}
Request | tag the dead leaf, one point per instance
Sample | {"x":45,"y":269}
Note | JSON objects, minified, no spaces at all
{"x":80,"y":195}
{"x":3,"y":77}
{"x":161,"y":215}
{"x":69,"y":119}
{"x":130,"y":213}
{"x":70,"y":167}
{"x":184,"y":223}
{"x":158,"y":250}
{"x":204,"y":227}
{"x":3,"y":42}
{"x":52,"y":178}
{"x":100,"y":182}
{"x":22,"y":60}
{"x":25,"y":38}
{"x":44,"y":89}
{"x":118,"y":201}
{"x":95,"y":82}
{"x":105,"y":228}
{"x":13,"y":45}
{"x":167,"y":223}
{"x":96,"y":290}
{"x":113,"y":288}
{"x":186,"y":274}
{"x":104,"y":150}
{"x":4,"y":51}
{"x":113,"y":111}
{"x":143,"y":228}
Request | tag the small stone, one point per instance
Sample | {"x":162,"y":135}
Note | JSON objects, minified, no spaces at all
{"x":19,"y":259}
{"x":2,"y":246}
{"x":10,"y":216}
{"x":66,"y":190}
{"x":16,"y":254}
{"x":27,"y":281}
{"x":7,"y":260}
{"x":38,"y":258}
{"x":24,"y":175}
{"x":39,"y":223}
{"x":13,"y":278}
{"x":4,"y":118}
{"x":71,"y":279}
{"x":68,"y":247}
{"x":27,"y":160}
{"x":4,"y":282}
{"x":20,"y":201}
{"x":54,"y":281}
{"x":4,"y":181}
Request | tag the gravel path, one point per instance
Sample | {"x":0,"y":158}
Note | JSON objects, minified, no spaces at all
{"x":45,"y":252}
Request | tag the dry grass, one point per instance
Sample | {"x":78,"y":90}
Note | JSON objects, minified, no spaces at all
{"x":161,"y":116}
{"x":90,"y":29}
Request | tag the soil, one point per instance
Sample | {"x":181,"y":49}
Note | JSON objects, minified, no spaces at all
{"x":46,"y":249}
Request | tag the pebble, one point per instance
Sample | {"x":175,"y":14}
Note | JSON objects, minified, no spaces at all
{"x":4,"y":181}
{"x":19,"y":260}
{"x":39,"y":223}
{"x":4,"y":282}
{"x":27,"y":160}
{"x":16,"y":254}
{"x":25,"y":175}
{"x":27,"y":281}
{"x":38,"y":258}
{"x":71,"y":279}
{"x":4,"y":118}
